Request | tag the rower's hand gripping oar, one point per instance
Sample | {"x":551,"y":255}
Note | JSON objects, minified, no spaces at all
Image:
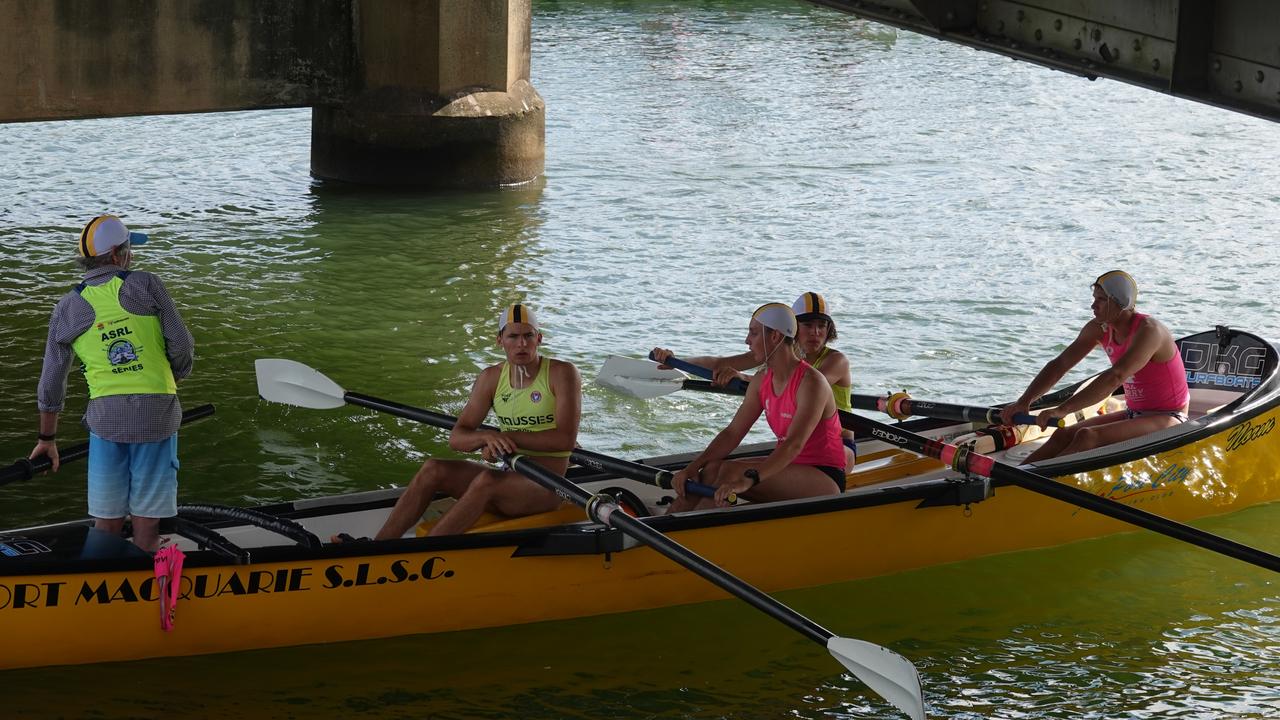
{"x":899,"y":406}
{"x":883,"y":670}
{"x":25,"y":469}
{"x":293,"y":383}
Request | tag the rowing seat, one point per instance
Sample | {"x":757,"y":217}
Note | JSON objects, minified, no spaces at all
{"x":891,"y":467}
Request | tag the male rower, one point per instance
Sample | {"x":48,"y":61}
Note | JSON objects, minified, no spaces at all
{"x":538,"y":403}
{"x":1144,"y":359}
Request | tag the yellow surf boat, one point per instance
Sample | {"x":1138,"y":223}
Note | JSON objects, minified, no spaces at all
{"x":261,"y":578}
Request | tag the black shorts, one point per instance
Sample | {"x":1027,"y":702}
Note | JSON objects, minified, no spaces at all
{"x":836,"y":474}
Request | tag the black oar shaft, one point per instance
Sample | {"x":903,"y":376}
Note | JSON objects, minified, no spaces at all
{"x":905,"y":406}
{"x":26,"y":469}
{"x":986,"y":466}
{"x":671,"y":549}
{"x":634,"y":471}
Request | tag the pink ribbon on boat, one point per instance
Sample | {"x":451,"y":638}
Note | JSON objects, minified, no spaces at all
{"x":168,"y":583}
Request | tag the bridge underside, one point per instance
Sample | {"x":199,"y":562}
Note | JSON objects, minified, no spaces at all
{"x":1220,"y":52}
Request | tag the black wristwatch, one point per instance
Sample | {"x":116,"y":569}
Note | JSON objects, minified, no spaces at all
{"x":46,"y":438}
{"x":753,"y":475}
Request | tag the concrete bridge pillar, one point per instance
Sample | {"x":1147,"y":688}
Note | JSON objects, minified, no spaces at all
{"x":440,"y":97}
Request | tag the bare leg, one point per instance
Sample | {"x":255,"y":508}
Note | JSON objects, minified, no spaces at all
{"x":1102,"y":435}
{"x":146,"y":533}
{"x":795,"y":481}
{"x":109,"y":525}
{"x":503,"y":492}
{"x":449,"y":476}
{"x":1097,"y":432}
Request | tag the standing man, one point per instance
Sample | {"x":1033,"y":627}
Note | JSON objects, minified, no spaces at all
{"x":124,"y":328}
{"x":1144,"y":359}
{"x":538,"y":403}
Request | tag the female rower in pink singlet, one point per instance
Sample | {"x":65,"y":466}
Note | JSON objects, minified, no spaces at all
{"x":799,"y":406}
{"x":1144,"y":359}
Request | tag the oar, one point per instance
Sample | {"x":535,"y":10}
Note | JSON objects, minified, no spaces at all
{"x":962,"y":460}
{"x":643,"y":379}
{"x":883,"y":670}
{"x":26,"y":469}
{"x":899,"y":405}
{"x":292,"y":383}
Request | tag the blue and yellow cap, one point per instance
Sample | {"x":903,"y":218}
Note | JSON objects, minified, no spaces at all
{"x":104,"y":234}
{"x":516,"y":312}
{"x":810,"y":306}
{"x":776,"y":316}
{"x":1120,"y":287}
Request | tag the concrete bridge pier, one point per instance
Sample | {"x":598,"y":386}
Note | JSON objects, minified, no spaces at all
{"x":440,"y":97}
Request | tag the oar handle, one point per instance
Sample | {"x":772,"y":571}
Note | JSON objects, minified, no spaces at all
{"x":735,"y":385}
{"x":901,"y":406}
{"x":25,"y":469}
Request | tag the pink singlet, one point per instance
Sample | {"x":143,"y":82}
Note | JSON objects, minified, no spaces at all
{"x":824,"y":446}
{"x":1158,"y":386}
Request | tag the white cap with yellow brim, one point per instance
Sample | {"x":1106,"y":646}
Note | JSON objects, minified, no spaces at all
{"x":1120,"y":287}
{"x":776,"y":316}
{"x":104,"y":234}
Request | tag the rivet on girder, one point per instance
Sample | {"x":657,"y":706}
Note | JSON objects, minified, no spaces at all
{"x":1155,"y":64}
{"x":1137,"y":44}
{"x":1000,"y":27}
{"x":1217,"y":65}
{"x":1097,"y":34}
{"x":1039,"y":35}
{"x":1238,"y":86}
{"x":1076,"y":43}
{"x":1259,"y":76}
{"x":1057,"y":24}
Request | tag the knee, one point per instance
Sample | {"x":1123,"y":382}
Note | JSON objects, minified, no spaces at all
{"x":1066,"y":435}
{"x":429,"y":472}
{"x":1084,"y":439}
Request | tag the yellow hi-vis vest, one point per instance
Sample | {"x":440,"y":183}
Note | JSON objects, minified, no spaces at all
{"x":123,"y":354}
{"x":529,"y":409}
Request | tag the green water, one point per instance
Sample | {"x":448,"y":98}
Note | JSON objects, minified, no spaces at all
{"x":701,"y":159}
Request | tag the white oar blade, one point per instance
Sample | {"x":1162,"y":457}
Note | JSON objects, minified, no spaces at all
{"x":292,"y":383}
{"x":640,"y":378}
{"x":882,"y":670}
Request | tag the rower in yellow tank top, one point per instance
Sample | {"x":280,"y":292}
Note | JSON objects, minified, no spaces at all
{"x":538,"y":402}
{"x":527,"y":409}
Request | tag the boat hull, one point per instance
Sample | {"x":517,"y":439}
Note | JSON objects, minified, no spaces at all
{"x":103,"y":616}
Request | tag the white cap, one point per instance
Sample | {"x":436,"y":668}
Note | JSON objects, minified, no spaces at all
{"x":1120,"y":287}
{"x":104,"y":234}
{"x":517,"y":312}
{"x":776,"y":316}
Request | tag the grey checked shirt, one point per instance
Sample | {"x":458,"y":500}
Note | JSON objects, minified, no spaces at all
{"x":119,"y":418}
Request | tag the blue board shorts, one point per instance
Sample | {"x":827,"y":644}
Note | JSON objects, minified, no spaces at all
{"x":133,"y":478}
